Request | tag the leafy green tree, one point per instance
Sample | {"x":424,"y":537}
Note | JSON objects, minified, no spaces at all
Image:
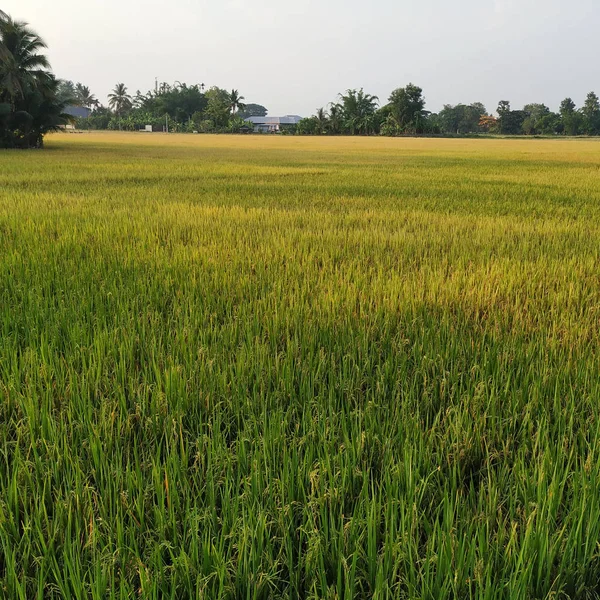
{"x":99,"y":119}
{"x":550,"y":124}
{"x":535,"y":113}
{"x":358,"y":111}
{"x":335,"y":118}
{"x":571,"y":119}
{"x":407,"y":107}
{"x":236,"y":124}
{"x":138,"y":100}
{"x":179,"y":101}
{"x":388,"y":125}
{"x":308,"y":126}
{"x":218,"y":108}
{"x":503,"y":111}
{"x":591,"y":114}
{"x":322,"y":121}
{"x":510,"y":121}
{"x":462,"y":118}
{"x":253,"y":110}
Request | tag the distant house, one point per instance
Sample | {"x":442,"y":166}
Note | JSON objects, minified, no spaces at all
{"x":79,"y":112}
{"x":273,"y":124}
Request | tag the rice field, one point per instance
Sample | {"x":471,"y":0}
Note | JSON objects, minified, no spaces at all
{"x":300,"y":368}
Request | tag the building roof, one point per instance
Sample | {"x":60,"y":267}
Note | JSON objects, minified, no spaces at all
{"x":287,"y":120}
{"x":78,"y":111}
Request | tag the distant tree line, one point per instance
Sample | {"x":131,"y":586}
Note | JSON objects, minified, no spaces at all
{"x":358,"y":113}
{"x":33,"y":102}
{"x":30,"y":104}
{"x":179,"y":107}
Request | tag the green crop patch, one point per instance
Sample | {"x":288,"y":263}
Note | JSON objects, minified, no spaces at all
{"x":291,"y":367}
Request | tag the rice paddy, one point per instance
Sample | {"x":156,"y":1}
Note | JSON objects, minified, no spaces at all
{"x":278,"y":367}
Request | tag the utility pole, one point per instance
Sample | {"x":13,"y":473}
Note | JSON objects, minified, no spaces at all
{"x":167,"y":122}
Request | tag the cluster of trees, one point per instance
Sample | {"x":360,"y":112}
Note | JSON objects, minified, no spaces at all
{"x":33,"y":102}
{"x":357,"y":112}
{"x":30,"y":102}
{"x":179,"y":107}
{"x":536,"y":119}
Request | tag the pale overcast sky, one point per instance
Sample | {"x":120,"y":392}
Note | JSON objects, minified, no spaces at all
{"x":295,"y":56}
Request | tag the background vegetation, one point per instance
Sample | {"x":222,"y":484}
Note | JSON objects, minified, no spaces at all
{"x":358,"y":113}
{"x":299,"y":368}
{"x":30,"y":105}
{"x":188,"y":108}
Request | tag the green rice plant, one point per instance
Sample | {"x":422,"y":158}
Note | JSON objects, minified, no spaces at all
{"x":249,"y":368}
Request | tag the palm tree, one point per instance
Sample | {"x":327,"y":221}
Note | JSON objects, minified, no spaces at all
{"x":139,"y":99}
{"x":335,"y":117}
{"x":67,"y":92}
{"x":119,"y":100}
{"x":28,"y":90}
{"x":235,"y":101}
{"x":359,"y":109}
{"x":3,"y":48}
{"x":22,"y":68}
{"x":85,"y":96}
{"x":321,"y":121}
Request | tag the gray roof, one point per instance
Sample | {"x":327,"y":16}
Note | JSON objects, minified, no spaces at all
{"x":78,"y":111}
{"x":287,"y":120}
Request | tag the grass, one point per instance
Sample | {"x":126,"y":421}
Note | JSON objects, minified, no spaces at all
{"x":269,"y":367}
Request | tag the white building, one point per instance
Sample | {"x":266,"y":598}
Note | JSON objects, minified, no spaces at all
{"x":273,"y":124}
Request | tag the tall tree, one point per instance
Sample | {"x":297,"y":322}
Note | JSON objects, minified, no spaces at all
{"x":119,"y":100}
{"x":236,"y":101}
{"x":510,"y":121}
{"x":591,"y":114}
{"x":23,"y":68}
{"x":462,"y":118}
{"x":179,"y":101}
{"x":359,"y":111}
{"x":29,"y":103}
{"x":407,"y":106}
{"x":67,"y":91}
{"x":571,"y":119}
{"x":3,"y":49}
{"x":322,"y":121}
{"x":535,"y":114}
{"x":85,"y":96}
{"x":218,"y":108}
{"x":335,"y":117}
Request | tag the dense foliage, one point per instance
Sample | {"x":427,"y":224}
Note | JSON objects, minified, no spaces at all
{"x":177,"y":108}
{"x":30,"y":103}
{"x":405,"y":114}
